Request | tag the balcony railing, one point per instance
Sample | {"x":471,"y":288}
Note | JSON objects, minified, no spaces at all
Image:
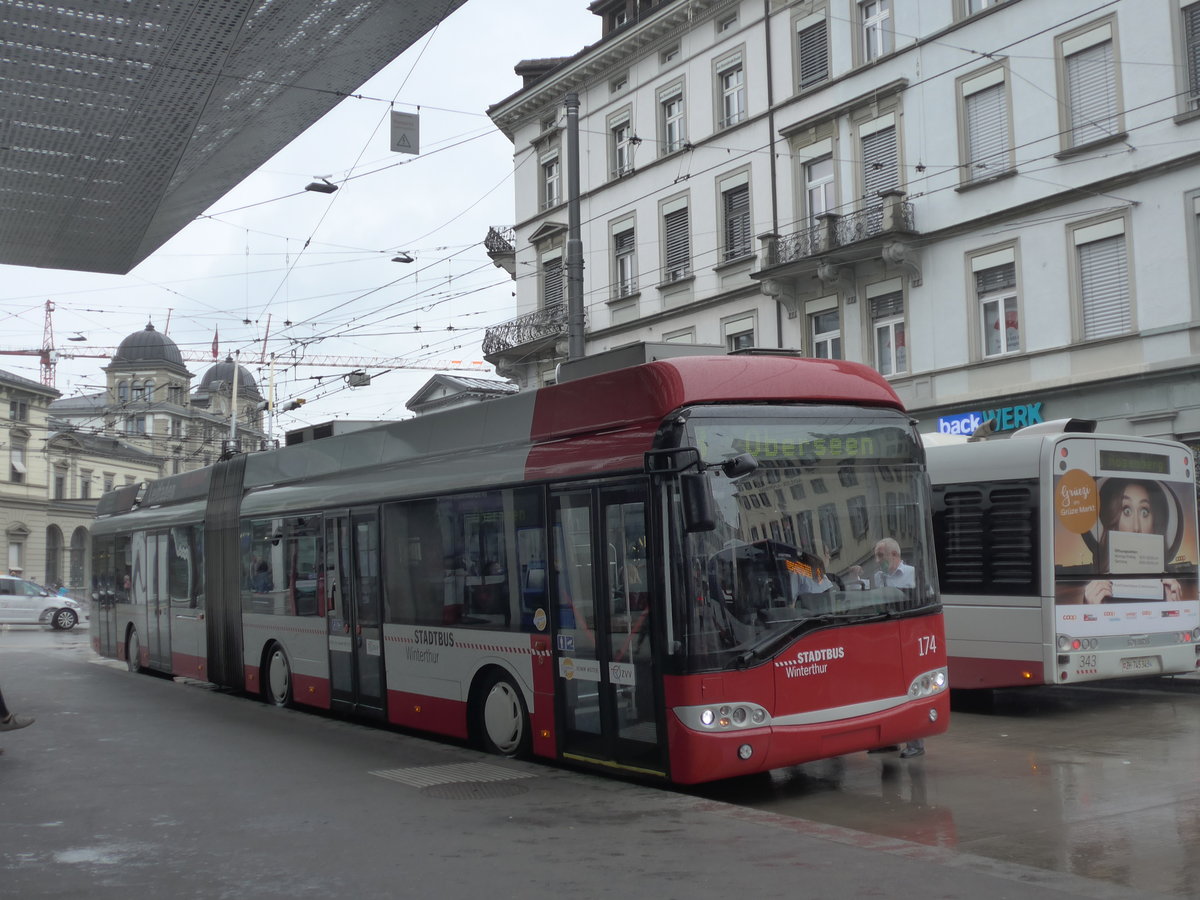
{"x":539,"y":325}
{"x":800,"y":245}
{"x":500,"y":239}
{"x":833,"y":232}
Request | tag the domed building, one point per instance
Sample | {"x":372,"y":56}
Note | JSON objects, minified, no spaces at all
{"x":150,"y":404}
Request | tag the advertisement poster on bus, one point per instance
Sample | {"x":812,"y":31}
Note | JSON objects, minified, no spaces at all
{"x":1125,"y":554}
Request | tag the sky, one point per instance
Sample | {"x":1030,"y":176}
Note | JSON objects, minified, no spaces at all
{"x":272,"y":269}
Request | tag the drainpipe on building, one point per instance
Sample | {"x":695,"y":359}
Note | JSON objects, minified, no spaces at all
{"x":575,"y":317}
{"x":771,"y":157}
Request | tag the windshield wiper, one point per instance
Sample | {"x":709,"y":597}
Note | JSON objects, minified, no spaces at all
{"x":770,"y":641}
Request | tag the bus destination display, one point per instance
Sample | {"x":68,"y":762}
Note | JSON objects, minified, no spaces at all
{"x":1133,"y":461}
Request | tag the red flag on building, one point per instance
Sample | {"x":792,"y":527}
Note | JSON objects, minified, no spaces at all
{"x":214,"y":343}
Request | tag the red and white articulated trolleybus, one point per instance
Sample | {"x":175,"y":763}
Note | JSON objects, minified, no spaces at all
{"x":1066,"y":556}
{"x":666,"y":569}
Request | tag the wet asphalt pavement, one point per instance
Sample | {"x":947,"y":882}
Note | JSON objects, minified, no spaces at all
{"x":137,"y":784}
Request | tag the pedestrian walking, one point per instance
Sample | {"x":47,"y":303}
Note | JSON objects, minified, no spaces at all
{"x":11,"y":721}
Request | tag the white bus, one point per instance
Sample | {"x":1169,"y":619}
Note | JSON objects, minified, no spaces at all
{"x":1066,"y":556}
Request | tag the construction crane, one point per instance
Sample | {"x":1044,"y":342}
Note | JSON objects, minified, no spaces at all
{"x":49,"y":356}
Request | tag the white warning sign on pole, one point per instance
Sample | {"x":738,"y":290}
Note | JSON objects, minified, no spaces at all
{"x":406,"y":132}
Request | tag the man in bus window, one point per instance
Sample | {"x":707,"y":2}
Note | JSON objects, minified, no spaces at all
{"x":893,"y":571}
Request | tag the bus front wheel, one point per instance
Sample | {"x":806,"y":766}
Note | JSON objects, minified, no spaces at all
{"x":277,"y":677}
{"x":503,"y":724}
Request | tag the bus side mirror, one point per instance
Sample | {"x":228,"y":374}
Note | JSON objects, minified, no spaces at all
{"x":697,"y":503}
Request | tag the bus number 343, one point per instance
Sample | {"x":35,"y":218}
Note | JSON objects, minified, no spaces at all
{"x":927,"y":643}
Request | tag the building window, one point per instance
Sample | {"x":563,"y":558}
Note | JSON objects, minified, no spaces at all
{"x":1089,"y":80}
{"x":85,"y":484}
{"x":621,"y":148}
{"x":1191,"y":51}
{"x":727,"y":24}
{"x":138,"y":392}
{"x":731,"y":77}
{"x":16,"y":556}
{"x":876,"y":18}
{"x":887,"y":324}
{"x":825,"y":334}
{"x":735,"y":210}
{"x":669,"y":55}
{"x":677,"y":250}
{"x":684,"y":336}
{"x":60,"y":484}
{"x":175,"y":394}
{"x":818,"y":187}
{"x":109,"y":480}
{"x":1103,"y":272}
{"x":812,"y":50}
{"x":880,"y":158}
{"x":552,"y":280}
{"x":16,"y":463}
{"x":974,"y":6}
{"x":831,"y":528}
{"x":18,"y":410}
{"x":996,"y":293}
{"x":624,"y":262}
{"x":177,"y":426}
{"x":986,"y":144}
{"x":671,"y":119}
{"x":149,"y":390}
{"x":739,"y":333}
{"x":551,"y":182}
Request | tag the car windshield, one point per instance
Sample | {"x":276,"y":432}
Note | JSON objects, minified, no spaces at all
{"x":831,"y":527}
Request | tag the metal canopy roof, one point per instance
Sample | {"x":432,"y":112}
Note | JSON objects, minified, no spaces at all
{"x":122,"y":120}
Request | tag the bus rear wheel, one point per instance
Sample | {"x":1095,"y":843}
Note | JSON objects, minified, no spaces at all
{"x":277,"y":677}
{"x":503,"y":721}
{"x":133,"y":652}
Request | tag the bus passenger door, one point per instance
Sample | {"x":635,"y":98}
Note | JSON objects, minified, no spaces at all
{"x":158,"y":603}
{"x":353,"y":599}
{"x":609,"y":705}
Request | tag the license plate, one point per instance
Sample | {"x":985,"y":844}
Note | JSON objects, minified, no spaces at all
{"x":1139,"y":663}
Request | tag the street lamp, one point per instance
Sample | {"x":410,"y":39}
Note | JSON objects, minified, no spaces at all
{"x":324,"y":186}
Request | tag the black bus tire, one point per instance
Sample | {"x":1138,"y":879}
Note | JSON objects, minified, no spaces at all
{"x":277,"y":677}
{"x":133,"y":651}
{"x":502,"y":721}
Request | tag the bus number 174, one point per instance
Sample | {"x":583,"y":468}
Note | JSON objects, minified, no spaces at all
{"x":926,"y":644}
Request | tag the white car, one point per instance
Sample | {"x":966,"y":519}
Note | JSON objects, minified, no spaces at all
{"x":25,"y":603}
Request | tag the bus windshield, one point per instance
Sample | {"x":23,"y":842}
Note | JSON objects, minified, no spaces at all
{"x":831,"y":528}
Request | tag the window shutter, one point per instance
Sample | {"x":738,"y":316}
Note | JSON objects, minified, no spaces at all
{"x":552,"y":291}
{"x":737,"y":221}
{"x":886,"y":306}
{"x":623,"y":241}
{"x":997,"y":278}
{"x":881,"y":162}
{"x":678,"y":253}
{"x":1092,"y":93}
{"x":1191,"y":37}
{"x":813,"y":46}
{"x":1104,"y":285}
{"x":987,"y":132}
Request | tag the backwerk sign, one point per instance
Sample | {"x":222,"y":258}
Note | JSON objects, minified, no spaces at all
{"x":1005,"y":418}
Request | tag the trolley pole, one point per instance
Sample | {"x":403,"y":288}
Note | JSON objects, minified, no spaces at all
{"x":575,"y":318}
